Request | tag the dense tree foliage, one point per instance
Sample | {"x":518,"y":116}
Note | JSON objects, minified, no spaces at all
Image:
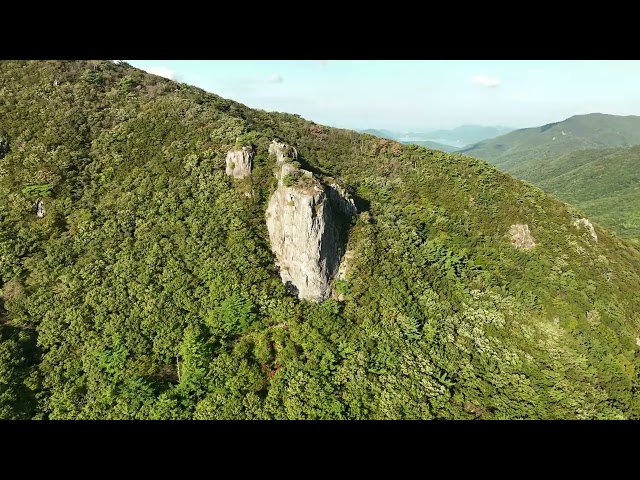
{"x":603,"y":183}
{"x":575,"y":161}
{"x":149,"y":290}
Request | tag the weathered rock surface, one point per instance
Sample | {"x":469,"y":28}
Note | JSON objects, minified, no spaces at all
{"x":305,"y":228}
{"x":583,"y":222}
{"x":282,"y":151}
{"x":39,"y":208}
{"x":341,"y":200}
{"x":521,"y":237}
{"x":239,"y":162}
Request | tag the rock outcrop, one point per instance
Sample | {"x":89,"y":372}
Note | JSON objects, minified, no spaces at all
{"x":521,"y":237}
{"x":239,"y":162}
{"x":39,"y":208}
{"x":4,"y":147}
{"x":306,"y":228}
{"x":282,"y":151}
{"x":341,"y":199}
{"x":583,"y":222}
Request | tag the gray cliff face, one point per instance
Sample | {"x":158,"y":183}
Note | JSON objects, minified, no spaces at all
{"x":341,"y":200}
{"x":239,"y":162}
{"x":304,"y":228}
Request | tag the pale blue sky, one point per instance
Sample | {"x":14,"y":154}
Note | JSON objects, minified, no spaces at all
{"x":417,"y":95}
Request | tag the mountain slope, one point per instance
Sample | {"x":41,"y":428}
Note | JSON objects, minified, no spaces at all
{"x":521,"y":149}
{"x":569,"y":159}
{"x":147,"y":288}
{"x":603,"y":183}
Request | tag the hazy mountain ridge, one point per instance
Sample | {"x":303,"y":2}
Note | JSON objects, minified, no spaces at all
{"x":395,"y":136}
{"x":452,"y":139}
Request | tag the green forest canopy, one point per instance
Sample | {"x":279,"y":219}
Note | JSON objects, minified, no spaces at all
{"x":575,"y":161}
{"x":149,"y":290}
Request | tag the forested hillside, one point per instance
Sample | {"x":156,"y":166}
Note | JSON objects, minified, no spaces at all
{"x":603,"y":183}
{"x":574,"y":160}
{"x":522,"y":149}
{"x":137,"y":280}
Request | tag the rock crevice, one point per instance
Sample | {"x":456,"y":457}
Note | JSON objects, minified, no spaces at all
{"x":341,"y":200}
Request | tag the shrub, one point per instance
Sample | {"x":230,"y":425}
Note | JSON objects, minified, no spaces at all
{"x":43,"y":190}
{"x":287,"y":180}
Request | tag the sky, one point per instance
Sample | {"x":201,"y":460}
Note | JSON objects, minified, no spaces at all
{"x":417,"y":95}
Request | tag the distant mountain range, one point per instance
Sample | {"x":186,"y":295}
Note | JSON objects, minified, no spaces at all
{"x":516,"y":151}
{"x":587,"y":160}
{"x":446,"y":140}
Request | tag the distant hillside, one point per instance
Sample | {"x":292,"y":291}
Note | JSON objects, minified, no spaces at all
{"x":603,"y":183}
{"x":432,"y":145}
{"x":519,"y":151}
{"x":423,"y":143}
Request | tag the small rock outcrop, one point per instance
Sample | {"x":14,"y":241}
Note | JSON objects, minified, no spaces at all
{"x":4,"y":147}
{"x":39,"y":208}
{"x":342,"y":200}
{"x":305,"y":228}
{"x":521,"y":237}
{"x":282,"y":151}
{"x":239,"y":162}
{"x":583,"y":222}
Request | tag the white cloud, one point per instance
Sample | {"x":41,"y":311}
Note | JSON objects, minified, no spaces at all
{"x":163,"y":72}
{"x":274,"y":78}
{"x":486,"y":81}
